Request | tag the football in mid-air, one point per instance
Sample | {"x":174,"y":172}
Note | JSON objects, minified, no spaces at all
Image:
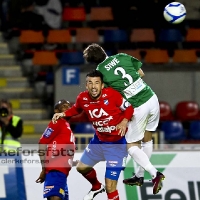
{"x":174,"y":12}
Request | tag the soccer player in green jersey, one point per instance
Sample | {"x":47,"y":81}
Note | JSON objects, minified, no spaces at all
{"x":123,"y":73}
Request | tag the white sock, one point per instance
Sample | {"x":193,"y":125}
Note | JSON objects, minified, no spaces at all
{"x":147,"y":148}
{"x":142,"y":159}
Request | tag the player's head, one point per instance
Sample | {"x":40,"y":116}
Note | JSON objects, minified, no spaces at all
{"x":94,"y":53}
{"x":61,"y":106}
{"x":94,"y":83}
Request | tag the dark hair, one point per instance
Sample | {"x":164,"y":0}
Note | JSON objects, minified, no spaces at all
{"x":58,"y":105}
{"x":95,"y":73}
{"x":5,"y":101}
{"x":5,"y":111}
{"x":94,"y":53}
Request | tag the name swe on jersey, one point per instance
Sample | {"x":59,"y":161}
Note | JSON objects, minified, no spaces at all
{"x":111,"y":64}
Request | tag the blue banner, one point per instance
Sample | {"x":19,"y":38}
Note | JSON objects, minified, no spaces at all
{"x":12,"y":185}
{"x":70,"y":75}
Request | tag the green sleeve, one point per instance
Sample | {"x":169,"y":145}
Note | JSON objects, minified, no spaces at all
{"x":136,"y":63}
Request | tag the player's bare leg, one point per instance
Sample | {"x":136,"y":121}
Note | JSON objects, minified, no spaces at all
{"x":111,"y":189}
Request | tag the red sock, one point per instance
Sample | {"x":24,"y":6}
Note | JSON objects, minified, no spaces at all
{"x":91,"y":176}
{"x":113,"y":195}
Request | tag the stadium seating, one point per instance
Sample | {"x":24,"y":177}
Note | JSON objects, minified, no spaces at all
{"x":193,"y":35}
{"x":83,"y":133}
{"x":156,"y":56}
{"x":74,"y":14}
{"x":170,"y":38}
{"x":142,"y":37}
{"x":115,"y":35}
{"x":59,"y":36}
{"x":192,"y":38}
{"x":72,"y":58}
{"x":135,"y":52}
{"x":165,"y":112}
{"x":30,"y":36}
{"x":101,"y":16}
{"x":87,"y":35}
{"x":45,"y":58}
{"x":84,"y":128}
{"x":185,"y":56}
{"x":173,"y":131}
{"x":194,"y":130}
{"x":170,"y":35}
{"x":187,"y":111}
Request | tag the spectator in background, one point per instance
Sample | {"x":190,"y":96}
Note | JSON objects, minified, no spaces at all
{"x":11,"y":127}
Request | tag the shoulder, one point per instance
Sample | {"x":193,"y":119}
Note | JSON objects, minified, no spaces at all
{"x":54,"y":128}
{"x":50,"y":129}
{"x":109,"y":91}
{"x":52,"y":125}
{"x":124,"y":55}
{"x":82,"y":95}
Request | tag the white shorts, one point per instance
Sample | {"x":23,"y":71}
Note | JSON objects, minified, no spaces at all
{"x":145,"y":117}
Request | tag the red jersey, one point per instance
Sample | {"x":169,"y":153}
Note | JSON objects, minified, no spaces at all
{"x":60,"y":146}
{"x":105,"y":113}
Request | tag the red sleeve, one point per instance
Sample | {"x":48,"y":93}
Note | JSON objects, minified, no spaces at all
{"x":118,"y":98}
{"x":82,"y":117}
{"x":124,"y":105}
{"x":128,"y":113}
{"x":75,"y":109}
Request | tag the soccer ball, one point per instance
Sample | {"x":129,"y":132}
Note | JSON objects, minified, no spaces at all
{"x":174,"y":12}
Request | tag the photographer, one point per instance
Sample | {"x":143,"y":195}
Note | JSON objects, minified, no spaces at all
{"x":11,"y":127}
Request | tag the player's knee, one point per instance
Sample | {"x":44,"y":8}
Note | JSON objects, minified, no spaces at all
{"x":132,"y":150}
{"x":134,"y":144}
{"x":82,"y":168}
{"x":111,"y":186}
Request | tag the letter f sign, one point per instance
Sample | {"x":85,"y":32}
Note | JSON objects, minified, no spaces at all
{"x":70,"y":76}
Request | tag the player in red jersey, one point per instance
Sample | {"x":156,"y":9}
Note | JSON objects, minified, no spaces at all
{"x":56,"y":151}
{"x":109,"y":113}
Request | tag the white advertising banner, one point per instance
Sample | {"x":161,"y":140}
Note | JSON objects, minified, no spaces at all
{"x":181,"y":169}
